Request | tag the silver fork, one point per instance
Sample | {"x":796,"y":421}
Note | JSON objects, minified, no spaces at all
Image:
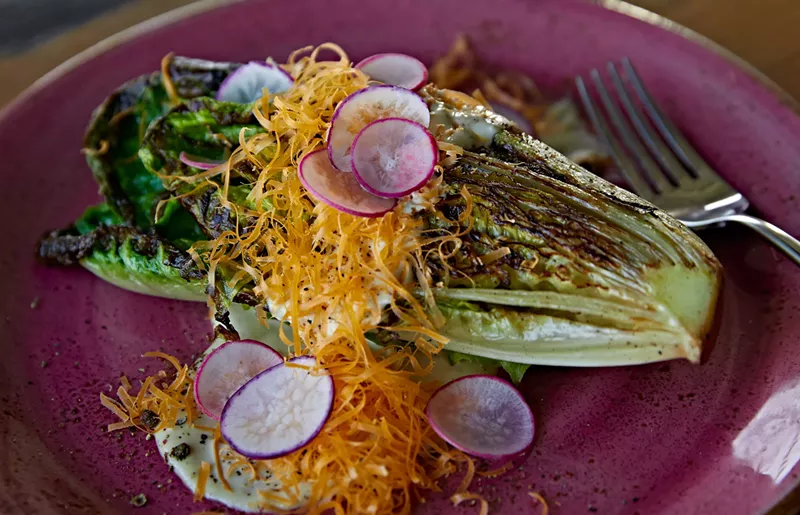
{"x":665,"y":169}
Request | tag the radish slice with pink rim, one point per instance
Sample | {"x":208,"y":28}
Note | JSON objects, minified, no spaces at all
{"x":393,"y":157}
{"x":364,"y":107}
{"x":338,"y":189}
{"x":199,"y":162}
{"x":395,"y":69}
{"x":482,"y":415}
{"x":226,"y":369}
{"x":278,"y":411}
{"x":246,"y":84}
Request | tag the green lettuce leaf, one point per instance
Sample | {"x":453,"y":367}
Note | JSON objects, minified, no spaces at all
{"x":515,"y":371}
{"x":119,"y":125}
{"x":129,"y":259}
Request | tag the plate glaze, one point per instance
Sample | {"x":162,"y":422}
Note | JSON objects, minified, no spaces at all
{"x":719,"y":438}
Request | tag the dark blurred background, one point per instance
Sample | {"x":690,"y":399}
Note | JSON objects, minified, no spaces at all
{"x":26,"y":22}
{"x":37,"y":35}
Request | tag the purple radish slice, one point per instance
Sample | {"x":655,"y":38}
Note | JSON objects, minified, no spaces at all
{"x":226,"y":369}
{"x":278,"y":411}
{"x":199,"y":162}
{"x":482,"y":415}
{"x":364,"y":107}
{"x":338,"y":189}
{"x":514,"y":116}
{"x":393,"y":157}
{"x":396,"y":69}
{"x":246,"y":84}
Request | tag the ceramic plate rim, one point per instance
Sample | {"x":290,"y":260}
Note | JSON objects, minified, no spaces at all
{"x":201,"y":6}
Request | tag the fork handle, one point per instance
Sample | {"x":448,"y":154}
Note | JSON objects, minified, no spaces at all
{"x":777,"y":236}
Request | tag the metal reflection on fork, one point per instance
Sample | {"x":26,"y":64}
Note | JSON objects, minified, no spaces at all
{"x":658,"y":162}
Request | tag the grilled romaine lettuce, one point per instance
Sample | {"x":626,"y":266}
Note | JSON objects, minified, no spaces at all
{"x":118,"y":126}
{"x":119,"y":240}
{"x":553,"y":266}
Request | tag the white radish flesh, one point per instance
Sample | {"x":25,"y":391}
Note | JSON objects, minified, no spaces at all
{"x":364,"y":107}
{"x":339,"y":190}
{"x":199,"y":162}
{"x":226,"y":369}
{"x":246,"y":84}
{"x":482,"y":415}
{"x":393,"y":157}
{"x":279,"y":410}
{"x":395,"y":69}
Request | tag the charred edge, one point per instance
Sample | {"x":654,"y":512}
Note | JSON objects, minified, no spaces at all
{"x":211,"y":216}
{"x":197,"y":77}
{"x":247,"y":298}
{"x":507,"y":152}
{"x":224,"y":327}
{"x":67,"y":247}
{"x":553,"y":222}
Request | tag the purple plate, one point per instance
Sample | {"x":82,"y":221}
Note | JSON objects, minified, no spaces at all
{"x":719,"y":438}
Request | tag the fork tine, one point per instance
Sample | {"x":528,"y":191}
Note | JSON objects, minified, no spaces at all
{"x":676,"y":141}
{"x":626,"y":167}
{"x":671,"y":167}
{"x":652,"y":173}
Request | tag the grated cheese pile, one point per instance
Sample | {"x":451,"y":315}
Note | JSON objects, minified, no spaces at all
{"x":333,"y":276}
{"x":164,"y":400}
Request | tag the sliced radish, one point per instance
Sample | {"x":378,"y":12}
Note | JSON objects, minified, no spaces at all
{"x":396,"y":69}
{"x":514,"y":116}
{"x":199,"y":162}
{"x":393,"y":157}
{"x":364,"y":107}
{"x":482,"y":415}
{"x":338,"y":189}
{"x":226,"y":369}
{"x":278,"y":411}
{"x":247,"y":83}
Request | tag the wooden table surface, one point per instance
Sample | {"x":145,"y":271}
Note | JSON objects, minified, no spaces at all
{"x":762,"y":32}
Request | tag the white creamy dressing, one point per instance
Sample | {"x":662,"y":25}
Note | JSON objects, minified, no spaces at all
{"x":244,"y":494}
{"x":244,"y":490}
{"x":469,"y":129}
{"x":376,"y":304}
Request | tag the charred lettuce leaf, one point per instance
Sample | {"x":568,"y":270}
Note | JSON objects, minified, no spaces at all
{"x":116,"y":131}
{"x":589,"y":274}
{"x":209,"y":129}
{"x":119,"y":240}
{"x":127,"y":258}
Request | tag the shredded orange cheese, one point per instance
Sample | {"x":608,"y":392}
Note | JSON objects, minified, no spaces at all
{"x":220,"y":474}
{"x":104,"y":146}
{"x":166,"y":403}
{"x":202,"y":479}
{"x":459,"y":498}
{"x":498,"y":471}
{"x":166,"y":79}
{"x":495,"y":255}
{"x":334,"y":276}
{"x":539,"y":500}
